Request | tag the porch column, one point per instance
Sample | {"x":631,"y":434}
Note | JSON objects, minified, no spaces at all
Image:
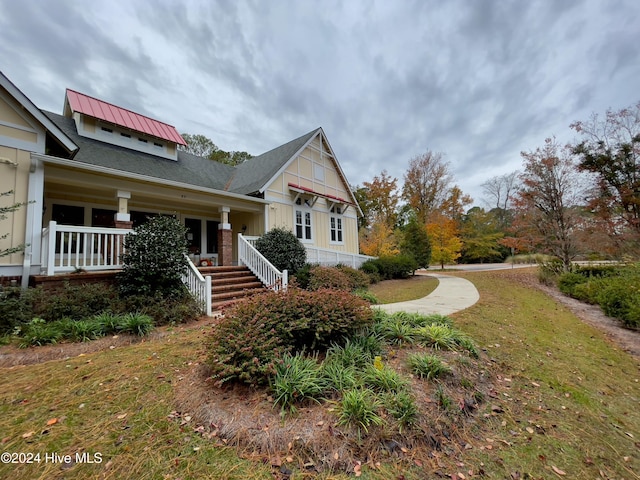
{"x":225,"y":238}
{"x":123,"y":218}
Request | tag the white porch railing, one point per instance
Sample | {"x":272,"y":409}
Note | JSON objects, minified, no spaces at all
{"x":199,"y":286}
{"x":260,"y":266}
{"x":66,"y":248}
{"x":326,"y":256}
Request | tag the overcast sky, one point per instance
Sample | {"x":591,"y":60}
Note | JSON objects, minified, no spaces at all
{"x":477,"y":80}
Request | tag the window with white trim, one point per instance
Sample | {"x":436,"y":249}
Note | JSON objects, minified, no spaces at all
{"x":303,"y":220}
{"x":335,"y":225}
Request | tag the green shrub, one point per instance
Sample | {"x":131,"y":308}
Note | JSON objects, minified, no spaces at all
{"x":399,"y":266}
{"x":283,"y":249}
{"x":258,"y":331}
{"x":357,"y":278}
{"x":397,"y":332}
{"x":329,"y":278}
{"x":81,"y":330}
{"x":427,"y":366}
{"x":568,"y":281}
{"x":297,"y":378}
{"x":73,"y":301}
{"x":369,"y":341}
{"x":16,"y":308}
{"x":171,"y":310}
{"x":359,"y":407}
{"x":618,"y":298}
{"x":155,"y":258}
{"x":303,"y":276}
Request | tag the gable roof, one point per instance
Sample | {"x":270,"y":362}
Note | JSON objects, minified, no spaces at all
{"x":30,"y":107}
{"x":254,"y":175}
{"x":93,"y":107}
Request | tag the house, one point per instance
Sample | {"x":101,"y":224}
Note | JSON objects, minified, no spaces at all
{"x":97,"y":170}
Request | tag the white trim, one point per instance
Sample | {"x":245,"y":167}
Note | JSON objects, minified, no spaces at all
{"x":304,"y":210}
{"x":30,"y":107}
{"x":288,"y":162}
{"x":33,"y":229}
{"x":145,"y":178}
{"x":123,"y":217}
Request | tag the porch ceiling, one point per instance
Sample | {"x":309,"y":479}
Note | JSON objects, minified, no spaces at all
{"x":73,"y":185}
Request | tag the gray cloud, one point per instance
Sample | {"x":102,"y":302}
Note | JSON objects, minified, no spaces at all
{"x":480,"y":81}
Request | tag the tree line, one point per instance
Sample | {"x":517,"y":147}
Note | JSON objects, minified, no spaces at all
{"x":576,"y":200}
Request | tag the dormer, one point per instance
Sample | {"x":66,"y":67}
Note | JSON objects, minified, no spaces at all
{"x":118,"y":126}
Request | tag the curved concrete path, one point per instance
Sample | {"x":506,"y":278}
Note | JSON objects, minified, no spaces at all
{"x":451,"y":295}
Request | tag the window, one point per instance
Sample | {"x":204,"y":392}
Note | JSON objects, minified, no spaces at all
{"x":303,"y":221}
{"x":143,"y":140}
{"x":335,"y":225}
{"x":156,"y":144}
{"x":125,"y":135}
{"x":107,"y":130}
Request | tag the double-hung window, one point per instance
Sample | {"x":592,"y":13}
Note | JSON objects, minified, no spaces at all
{"x":335,"y":225}
{"x":303,"y":220}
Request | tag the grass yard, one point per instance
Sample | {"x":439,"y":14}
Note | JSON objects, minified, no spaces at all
{"x":392,"y":291}
{"x":566,"y":404}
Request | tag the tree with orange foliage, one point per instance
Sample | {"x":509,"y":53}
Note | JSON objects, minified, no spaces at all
{"x":446,"y":244}
{"x":378,"y":241}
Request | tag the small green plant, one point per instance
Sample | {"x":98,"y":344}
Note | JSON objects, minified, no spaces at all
{"x":437,"y":336}
{"x":38,"y":332}
{"x":442,"y":399}
{"x":351,"y":354}
{"x":135,"y":324}
{"x":297,"y":378}
{"x":366,"y":295}
{"x":370,"y":342}
{"x":339,"y":378}
{"x":397,"y":332}
{"x":108,"y":321}
{"x":83,"y":330}
{"x":427,"y":366}
{"x":384,"y":379}
{"x":401,"y":406}
{"x":359,"y":408}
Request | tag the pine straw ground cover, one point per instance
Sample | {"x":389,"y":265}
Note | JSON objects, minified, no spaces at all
{"x":564,"y":404}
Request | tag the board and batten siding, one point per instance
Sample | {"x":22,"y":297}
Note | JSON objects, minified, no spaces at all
{"x":19,"y":135}
{"x":314,"y":169}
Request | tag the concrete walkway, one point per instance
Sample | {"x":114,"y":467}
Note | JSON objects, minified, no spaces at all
{"x":451,"y":295}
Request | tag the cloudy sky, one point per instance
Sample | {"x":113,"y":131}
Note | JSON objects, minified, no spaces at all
{"x":478,"y":80}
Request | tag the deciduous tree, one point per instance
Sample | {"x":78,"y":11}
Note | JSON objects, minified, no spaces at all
{"x":203,"y":146}
{"x":378,"y":241}
{"x":427,"y":184}
{"x":382,"y":196}
{"x":611,"y":151}
{"x":548,"y":199}
{"x":481,"y":235}
{"x":446,"y":244}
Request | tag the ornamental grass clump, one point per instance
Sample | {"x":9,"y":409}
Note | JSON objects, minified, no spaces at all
{"x":297,"y":378}
{"x":359,"y":408}
{"x":427,"y":366}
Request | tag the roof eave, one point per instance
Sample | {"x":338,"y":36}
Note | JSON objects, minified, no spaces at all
{"x":30,"y":107}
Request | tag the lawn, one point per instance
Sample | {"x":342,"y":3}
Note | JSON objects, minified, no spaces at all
{"x":391,"y":291}
{"x":565,"y":404}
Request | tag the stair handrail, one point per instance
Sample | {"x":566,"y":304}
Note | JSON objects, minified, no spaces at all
{"x":262,"y":268}
{"x":198,"y":285}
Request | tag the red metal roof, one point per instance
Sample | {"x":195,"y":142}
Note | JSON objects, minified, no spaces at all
{"x":324,"y":195}
{"x":93,"y":107}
